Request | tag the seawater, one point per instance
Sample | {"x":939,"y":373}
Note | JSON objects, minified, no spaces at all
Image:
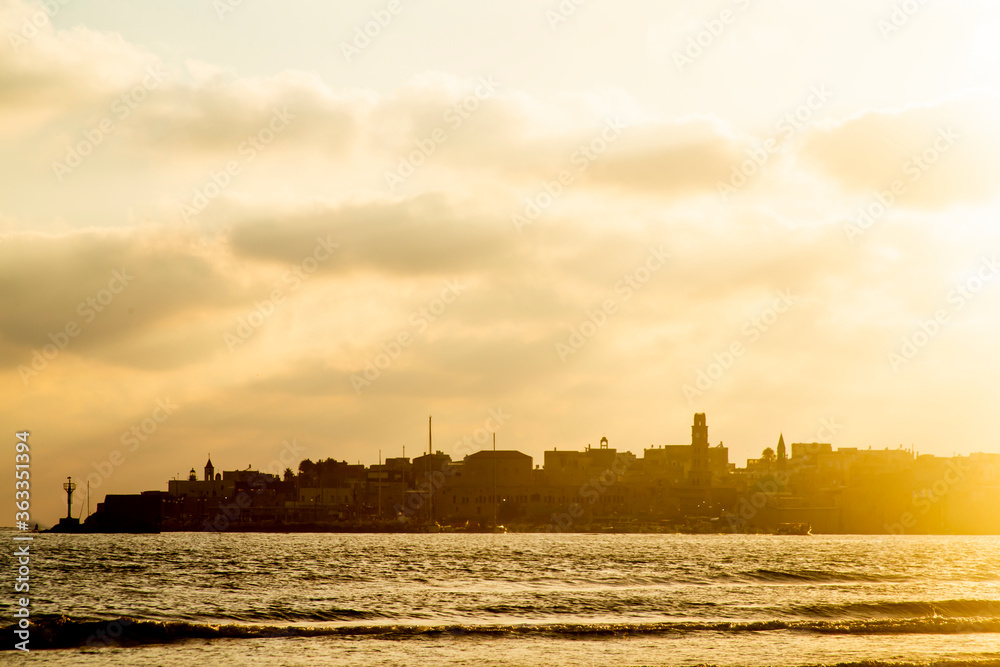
{"x":509,"y":599}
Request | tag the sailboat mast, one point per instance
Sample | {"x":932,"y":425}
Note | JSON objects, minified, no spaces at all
{"x":495,"y":499}
{"x":430,"y":450}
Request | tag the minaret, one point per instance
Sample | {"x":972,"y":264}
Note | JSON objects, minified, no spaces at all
{"x":782,"y":453}
{"x":209,"y":470}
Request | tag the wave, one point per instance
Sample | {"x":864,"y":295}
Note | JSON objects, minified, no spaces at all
{"x":870,"y":610}
{"x":815,"y":576}
{"x":624,"y":579}
{"x":635,"y":606}
{"x":64,"y":632}
{"x":985,"y":662}
{"x":293,"y":616}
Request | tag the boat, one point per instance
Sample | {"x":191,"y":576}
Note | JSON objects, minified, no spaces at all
{"x":793,"y":529}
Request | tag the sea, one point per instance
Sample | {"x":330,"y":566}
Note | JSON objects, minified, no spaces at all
{"x":506,"y":599}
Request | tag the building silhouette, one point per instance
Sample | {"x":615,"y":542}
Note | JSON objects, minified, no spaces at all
{"x":691,"y":487}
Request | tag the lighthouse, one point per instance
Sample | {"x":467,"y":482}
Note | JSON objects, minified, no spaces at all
{"x":69,"y":486}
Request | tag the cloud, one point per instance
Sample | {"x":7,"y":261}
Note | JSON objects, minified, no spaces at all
{"x":324,"y":178}
{"x":46,"y":74}
{"x":671,"y":159}
{"x":944,"y":153}
{"x":215,"y":114}
{"x":121,"y":289}
{"x":427,"y":234}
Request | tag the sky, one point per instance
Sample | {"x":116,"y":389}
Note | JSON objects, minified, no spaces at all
{"x":267,"y":231}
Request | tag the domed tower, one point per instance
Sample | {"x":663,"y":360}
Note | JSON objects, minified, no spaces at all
{"x":209,"y":470}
